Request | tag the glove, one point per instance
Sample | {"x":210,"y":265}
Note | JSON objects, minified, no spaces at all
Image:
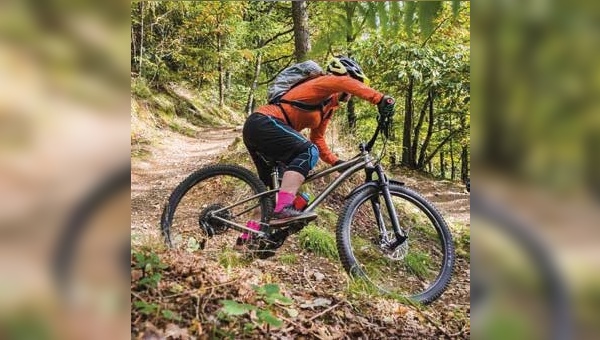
{"x":386,"y":106}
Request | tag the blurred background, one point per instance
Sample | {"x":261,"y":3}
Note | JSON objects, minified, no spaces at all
{"x":64,"y":136}
{"x":535,"y":175}
{"x":64,"y":131}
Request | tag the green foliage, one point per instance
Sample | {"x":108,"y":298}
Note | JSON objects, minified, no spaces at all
{"x":318,"y":241}
{"x":463,"y":242}
{"x":410,"y":7}
{"x":151,"y":267}
{"x":270,"y":295}
{"x":234,"y":308}
{"x":418,"y":263}
{"x":146,"y":308}
{"x":139,"y":88}
{"x":216,"y":45}
{"x":362,"y":289}
{"x":288,"y":259}
{"x":427,"y":11}
{"x":230,"y":259}
{"x":170,"y":315}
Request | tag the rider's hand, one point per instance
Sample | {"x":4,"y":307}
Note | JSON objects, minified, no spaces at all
{"x":386,"y":106}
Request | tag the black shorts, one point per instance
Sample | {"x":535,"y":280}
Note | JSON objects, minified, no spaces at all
{"x":271,"y":138}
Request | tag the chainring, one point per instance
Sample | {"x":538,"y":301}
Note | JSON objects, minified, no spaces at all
{"x":265,"y":247}
{"x":210,"y":225}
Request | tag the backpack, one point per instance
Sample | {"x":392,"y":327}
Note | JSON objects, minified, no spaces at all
{"x":291,"y":77}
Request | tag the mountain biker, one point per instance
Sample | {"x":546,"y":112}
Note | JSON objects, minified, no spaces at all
{"x":272,"y":131}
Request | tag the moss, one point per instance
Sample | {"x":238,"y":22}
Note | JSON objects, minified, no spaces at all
{"x":318,"y":241}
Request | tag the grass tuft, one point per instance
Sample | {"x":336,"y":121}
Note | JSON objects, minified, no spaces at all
{"x":418,"y":263}
{"x":318,"y":241}
{"x":288,"y":259}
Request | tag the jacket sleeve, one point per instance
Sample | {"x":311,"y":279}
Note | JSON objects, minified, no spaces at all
{"x":332,"y":84}
{"x":317,"y":135}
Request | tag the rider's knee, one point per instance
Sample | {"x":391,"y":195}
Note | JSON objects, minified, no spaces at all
{"x":314,"y":156}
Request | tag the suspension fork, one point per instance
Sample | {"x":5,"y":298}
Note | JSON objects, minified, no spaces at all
{"x":384,"y":186}
{"x":376,"y":205}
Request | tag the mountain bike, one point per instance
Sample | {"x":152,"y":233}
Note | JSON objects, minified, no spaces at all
{"x":387,"y":235}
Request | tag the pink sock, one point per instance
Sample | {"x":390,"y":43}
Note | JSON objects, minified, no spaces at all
{"x":252,"y":225}
{"x":284,"y":199}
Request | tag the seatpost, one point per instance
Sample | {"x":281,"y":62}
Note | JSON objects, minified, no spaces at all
{"x":275,"y":177}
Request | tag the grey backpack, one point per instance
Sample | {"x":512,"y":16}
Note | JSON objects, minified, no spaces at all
{"x":291,"y":77}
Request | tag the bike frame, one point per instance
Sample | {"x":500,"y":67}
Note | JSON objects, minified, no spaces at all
{"x":365,"y":161}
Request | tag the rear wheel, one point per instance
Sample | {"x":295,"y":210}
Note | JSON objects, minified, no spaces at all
{"x":188,"y":221}
{"x":420,"y":268}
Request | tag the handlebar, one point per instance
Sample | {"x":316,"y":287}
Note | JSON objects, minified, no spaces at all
{"x":382,"y":122}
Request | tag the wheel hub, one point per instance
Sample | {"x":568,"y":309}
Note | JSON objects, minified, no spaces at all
{"x":210,"y":225}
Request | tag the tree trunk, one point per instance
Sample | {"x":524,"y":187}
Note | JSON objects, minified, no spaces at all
{"x":220,"y":69}
{"x":417,"y":132}
{"x":464,"y":155}
{"x":452,"y":163}
{"x":350,"y":112}
{"x":422,"y":160}
{"x":351,"y":116}
{"x":141,"y":37}
{"x":442,"y":165}
{"x":133,"y":47}
{"x":408,"y":112}
{"x":464,"y":163}
{"x":250,"y":102}
{"x":301,"y":33}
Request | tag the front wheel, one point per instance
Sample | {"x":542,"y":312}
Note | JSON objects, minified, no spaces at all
{"x":418,"y":269}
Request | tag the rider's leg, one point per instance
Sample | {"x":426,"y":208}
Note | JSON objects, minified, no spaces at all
{"x":293,"y":178}
{"x":278,"y":141}
{"x":290,"y":184}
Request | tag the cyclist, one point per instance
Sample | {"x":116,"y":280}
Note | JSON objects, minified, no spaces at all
{"x":272,"y":131}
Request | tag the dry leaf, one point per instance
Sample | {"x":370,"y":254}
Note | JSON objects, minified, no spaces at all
{"x":176,"y":332}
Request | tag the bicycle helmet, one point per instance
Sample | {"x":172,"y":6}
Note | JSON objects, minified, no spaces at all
{"x":340,"y":65}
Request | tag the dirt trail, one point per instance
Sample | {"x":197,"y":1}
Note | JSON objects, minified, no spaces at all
{"x":171,"y":160}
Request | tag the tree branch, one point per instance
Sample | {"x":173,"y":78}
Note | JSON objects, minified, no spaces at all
{"x":442,"y":143}
{"x":277,"y":59}
{"x":264,"y":43}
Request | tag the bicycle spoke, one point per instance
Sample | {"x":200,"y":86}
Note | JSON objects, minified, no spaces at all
{"x":200,"y":219}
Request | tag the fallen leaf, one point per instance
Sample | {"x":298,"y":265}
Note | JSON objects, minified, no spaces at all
{"x":176,"y":332}
{"x":136,"y":274}
{"x":402,"y":310}
{"x":318,"y":276}
{"x":318,"y":302}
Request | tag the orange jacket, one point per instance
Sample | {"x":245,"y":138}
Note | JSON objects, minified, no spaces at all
{"x":315,"y":91}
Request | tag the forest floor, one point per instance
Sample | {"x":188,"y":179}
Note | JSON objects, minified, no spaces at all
{"x":184,"y":301}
